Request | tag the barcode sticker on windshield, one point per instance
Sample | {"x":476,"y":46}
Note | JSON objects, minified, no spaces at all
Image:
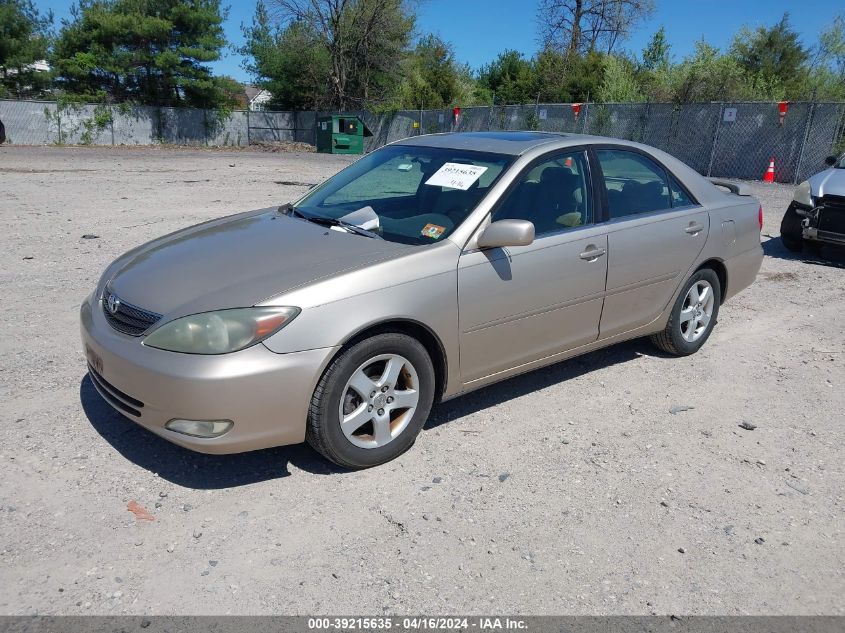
{"x":456,"y":176}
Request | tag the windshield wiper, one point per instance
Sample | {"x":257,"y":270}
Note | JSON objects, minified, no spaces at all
{"x":289,"y":210}
{"x":354,"y":228}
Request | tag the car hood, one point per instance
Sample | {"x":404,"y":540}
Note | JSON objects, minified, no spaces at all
{"x":237,"y":262}
{"x":830,"y":181}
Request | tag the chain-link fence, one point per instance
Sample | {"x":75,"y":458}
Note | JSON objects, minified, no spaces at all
{"x":734,"y":140}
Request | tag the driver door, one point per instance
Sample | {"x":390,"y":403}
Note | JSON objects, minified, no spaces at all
{"x":522,"y":304}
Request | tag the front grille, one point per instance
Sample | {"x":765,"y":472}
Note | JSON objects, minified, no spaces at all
{"x":831,"y":221}
{"x":128,"y":319}
{"x":832,"y":214}
{"x":114,"y":396}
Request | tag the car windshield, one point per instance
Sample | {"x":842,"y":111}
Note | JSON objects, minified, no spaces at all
{"x":407,"y":194}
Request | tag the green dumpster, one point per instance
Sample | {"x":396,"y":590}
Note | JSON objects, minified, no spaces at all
{"x":341,"y":134}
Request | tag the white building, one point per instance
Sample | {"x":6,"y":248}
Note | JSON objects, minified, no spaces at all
{"x":256,"y":97}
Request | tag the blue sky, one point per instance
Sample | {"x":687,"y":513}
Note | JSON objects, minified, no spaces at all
{"x":480,"y":29}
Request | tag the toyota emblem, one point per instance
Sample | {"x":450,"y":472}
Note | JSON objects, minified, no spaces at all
{"x":113,"y":304}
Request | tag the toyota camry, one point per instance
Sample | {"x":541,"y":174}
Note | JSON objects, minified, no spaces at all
{"x":428,"y":268}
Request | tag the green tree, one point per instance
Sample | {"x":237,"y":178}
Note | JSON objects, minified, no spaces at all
{"x":432,"y":77}
{"x":291,"y":63}
{"x":825,"y":80}
{"x":153,"y":52}
{"x":511,"y":78}
{"x":656,"y":52}
{"x":709,"y":75}
{"x":552,"y":69}
{"x":24,"y":40}
{"x":830,"y":51}
{"x":772,"y":56}
{"x":364,"y":40}
{"x":552,"y":76}
{"x":585,"y":76}
{"x":619,"y":82}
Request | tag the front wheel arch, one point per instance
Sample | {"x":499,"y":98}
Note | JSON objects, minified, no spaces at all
{"x":419,"y":331}
{"x":327,"y":415}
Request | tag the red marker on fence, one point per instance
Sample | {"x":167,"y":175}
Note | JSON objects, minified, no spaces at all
{"x":576,"y":109}
{"x":783,"y":108}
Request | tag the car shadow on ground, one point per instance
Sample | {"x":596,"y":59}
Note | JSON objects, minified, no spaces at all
{"x":188,"y":468}
{"x":210,"y":472}
{"x":831,"y":256}
{"x":539,"y":379}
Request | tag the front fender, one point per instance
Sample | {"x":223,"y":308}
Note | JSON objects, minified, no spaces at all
{"x":431,"y":302}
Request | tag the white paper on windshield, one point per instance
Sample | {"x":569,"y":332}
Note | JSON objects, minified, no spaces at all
{"x":365,"y":217}
{"x":456,"y":176}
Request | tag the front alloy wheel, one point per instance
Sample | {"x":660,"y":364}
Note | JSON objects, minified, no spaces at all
{"x":379,"y":401}
{"x":372,"y":401}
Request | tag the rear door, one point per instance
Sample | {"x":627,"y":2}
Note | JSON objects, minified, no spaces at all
{"x":655,"y":231}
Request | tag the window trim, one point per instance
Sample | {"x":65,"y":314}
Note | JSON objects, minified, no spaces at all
{"x":683,"y":189}
{"x":549,"y":156}
{"x":668,"y":175}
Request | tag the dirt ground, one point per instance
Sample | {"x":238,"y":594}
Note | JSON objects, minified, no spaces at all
{"x":616,"y":483}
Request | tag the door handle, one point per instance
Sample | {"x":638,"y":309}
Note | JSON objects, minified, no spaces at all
{"x":592,"y":254}
{"x":694,"y":229}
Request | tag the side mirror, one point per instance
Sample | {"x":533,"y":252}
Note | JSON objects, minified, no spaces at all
{"x":830,"y":161}
{"x":507,"y":233}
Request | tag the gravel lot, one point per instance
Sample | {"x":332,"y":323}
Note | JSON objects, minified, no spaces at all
{"x":571,"y":490}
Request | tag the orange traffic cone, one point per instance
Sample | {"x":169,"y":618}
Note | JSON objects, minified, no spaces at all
{"x":769,"y":176}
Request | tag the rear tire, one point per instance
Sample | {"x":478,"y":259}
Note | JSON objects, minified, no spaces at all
{"x":693,"y":315}
{"x":790,"y":231}
{"x":372,"y":401}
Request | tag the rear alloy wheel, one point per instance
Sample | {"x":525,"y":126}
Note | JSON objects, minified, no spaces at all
{"x":372,"y":401}
{"x":693,"y":315}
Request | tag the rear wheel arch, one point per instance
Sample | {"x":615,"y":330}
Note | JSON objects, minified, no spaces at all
{"x":419,"y":331}
{"x":718,"y":267}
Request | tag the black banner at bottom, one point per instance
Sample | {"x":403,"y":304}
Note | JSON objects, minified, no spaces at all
{"x":414,"y":623}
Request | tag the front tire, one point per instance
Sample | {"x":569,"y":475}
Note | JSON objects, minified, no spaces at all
{"x":693,"y":315}
{"x":372,"y":401}
{"x":790,"y":231}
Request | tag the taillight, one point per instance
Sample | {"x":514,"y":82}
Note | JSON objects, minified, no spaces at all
{"x":760,"y":218}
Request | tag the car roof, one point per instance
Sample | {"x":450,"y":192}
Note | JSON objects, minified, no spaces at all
{"x":513,"y":143}
{"x":518,"y":143}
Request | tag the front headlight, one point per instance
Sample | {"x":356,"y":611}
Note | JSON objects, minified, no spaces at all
{"x":220,"y":332}
{"x":803,"y":194}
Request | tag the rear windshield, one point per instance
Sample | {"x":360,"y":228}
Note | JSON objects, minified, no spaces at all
{"x":408,"y":194}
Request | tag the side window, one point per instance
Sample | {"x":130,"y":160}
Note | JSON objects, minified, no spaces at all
{"x":635,"y":184}
{"x":553,"y":194}
{"x":679,"y":196}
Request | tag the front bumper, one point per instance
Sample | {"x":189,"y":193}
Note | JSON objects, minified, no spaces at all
{"x":265,"y":394}
{"x":823,"y":223}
